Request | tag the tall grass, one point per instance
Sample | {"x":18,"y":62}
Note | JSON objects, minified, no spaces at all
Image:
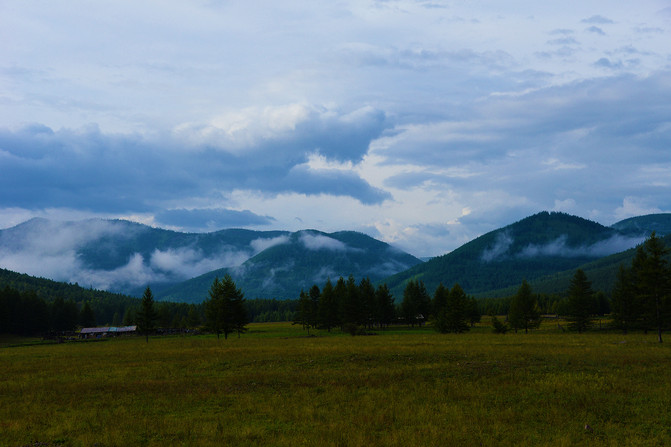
{"x":274,"y":386}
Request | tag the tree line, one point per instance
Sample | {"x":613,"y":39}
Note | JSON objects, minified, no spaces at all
{"x":640,"y":301}
{"x":641,"y":297}
{"x":38,"y":312}
{"x":357,"y":307}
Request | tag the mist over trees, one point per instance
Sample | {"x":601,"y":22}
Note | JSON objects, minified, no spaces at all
{"x":640,"y":300}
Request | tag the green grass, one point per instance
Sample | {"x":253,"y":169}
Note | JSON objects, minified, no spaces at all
{"x":275,"y":386}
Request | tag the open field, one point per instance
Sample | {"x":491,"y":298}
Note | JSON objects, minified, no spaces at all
{"x":274,"y":386}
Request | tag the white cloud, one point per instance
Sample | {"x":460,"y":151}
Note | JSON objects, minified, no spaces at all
{"x":634,"y":206}
{"x":501,"y":245}
{"x":560,"y":247}
{"x":258,"y":245}
{"x":320,"y":242}
{"x":400,"y":113}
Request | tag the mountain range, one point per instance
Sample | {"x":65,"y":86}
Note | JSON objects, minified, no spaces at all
{"x":124,"y":257}
{"x":539,"y":245}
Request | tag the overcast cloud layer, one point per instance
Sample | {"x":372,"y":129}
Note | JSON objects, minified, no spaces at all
{"x":421,"y":123}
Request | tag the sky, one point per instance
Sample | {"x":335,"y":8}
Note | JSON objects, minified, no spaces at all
{"x":421,"y":123}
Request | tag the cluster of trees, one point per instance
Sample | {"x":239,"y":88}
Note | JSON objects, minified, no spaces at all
{"x":354,"y":306}
{"x":225,"y":310}
{"x":450,"y":309}
{"x":579,"y":307}
{"x":347,"y":305}
{"x":642,"y":293}
{"x":25,"y":313}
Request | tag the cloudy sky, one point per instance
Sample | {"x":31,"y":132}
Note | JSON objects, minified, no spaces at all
{"x":421,"y":123}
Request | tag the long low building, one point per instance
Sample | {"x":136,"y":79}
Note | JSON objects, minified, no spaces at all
{"x":111,"y":331}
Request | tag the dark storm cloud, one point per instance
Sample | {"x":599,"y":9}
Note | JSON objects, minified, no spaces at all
{"x":210,"y":218}
{"x":591,"y":140}
{"x":87,"y":169}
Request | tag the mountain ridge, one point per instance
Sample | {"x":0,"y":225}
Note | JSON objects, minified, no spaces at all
{"x":532,"y":247}
{"x":112,"y":251}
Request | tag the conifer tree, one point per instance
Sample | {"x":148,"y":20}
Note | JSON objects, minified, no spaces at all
{"x":524,"y":312}
{"x":305,"y":311}
{"x":315,"y":295}
{"x":146,"y":317}
{"x":440,"y":298}
{"x":367,"y":302}
{"x":654,"y":284}
{"x":453,"y":317}
{"x":224,"y":310}
{"x":328,"y":307}
{"x":384,"y":306}
{"x":86,"y":317}
{"x":625,"y":309}
{"x":473,"y":311}
{"x":416,"y":305}
{"x":351,"y":309}
{"x":580,"y":302}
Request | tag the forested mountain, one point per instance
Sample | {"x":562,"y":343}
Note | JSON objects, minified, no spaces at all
{"x":601,"y":273}
{"x":539,"y":245}
{"x":123,"y":256}
{"x":303,"y":259}
{"x":659,"y":223}
{"x":106,"y":305}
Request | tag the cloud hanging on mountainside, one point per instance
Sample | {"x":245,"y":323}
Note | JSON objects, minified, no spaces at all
{"x":558,"y":247}
{"x":54,"y":250}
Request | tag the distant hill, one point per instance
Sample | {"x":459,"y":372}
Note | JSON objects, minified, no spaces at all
{"x":539,"y":245}
{"x":123,"y":256}
{"x":601,"y":273}
{"x":302,"y":259}
{"x":106,"y":304}
{"x":659,"y":223}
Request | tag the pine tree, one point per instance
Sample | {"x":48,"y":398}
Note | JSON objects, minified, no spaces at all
{"x":304,"y":313}
{"x":340,"y":296}
{"x":524,"y":312}
{"x":193,"y":318}
{"x":625,"y":307}
{"x":239,"y":317}
{"x":86,"y":317}
{"x":416,"y":305}
{"x":351,"y":309}
{"x":453,"y":317}
{"x":146,"y":317}
{"x":367,"y":302}
{"x":384,"y":306}
{"x":654,"y":284}
{"x":473,"y":311}
{"x":580,"y":303}
{"x":440,"y":299}
{"x":315,"y":295}
{"x":219,"y":310}
{"x":328,"y":307}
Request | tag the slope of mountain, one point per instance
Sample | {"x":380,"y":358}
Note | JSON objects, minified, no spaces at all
{"x":123,"y":256}
{"x":536,"y":246}
{"x":601,"y":273}
{"x":106,"y":304}
{"x":659,"y":223}
{"x":302,"y":259}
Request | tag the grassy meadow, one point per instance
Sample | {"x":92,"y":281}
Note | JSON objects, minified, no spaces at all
{"x":275,"y":386}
